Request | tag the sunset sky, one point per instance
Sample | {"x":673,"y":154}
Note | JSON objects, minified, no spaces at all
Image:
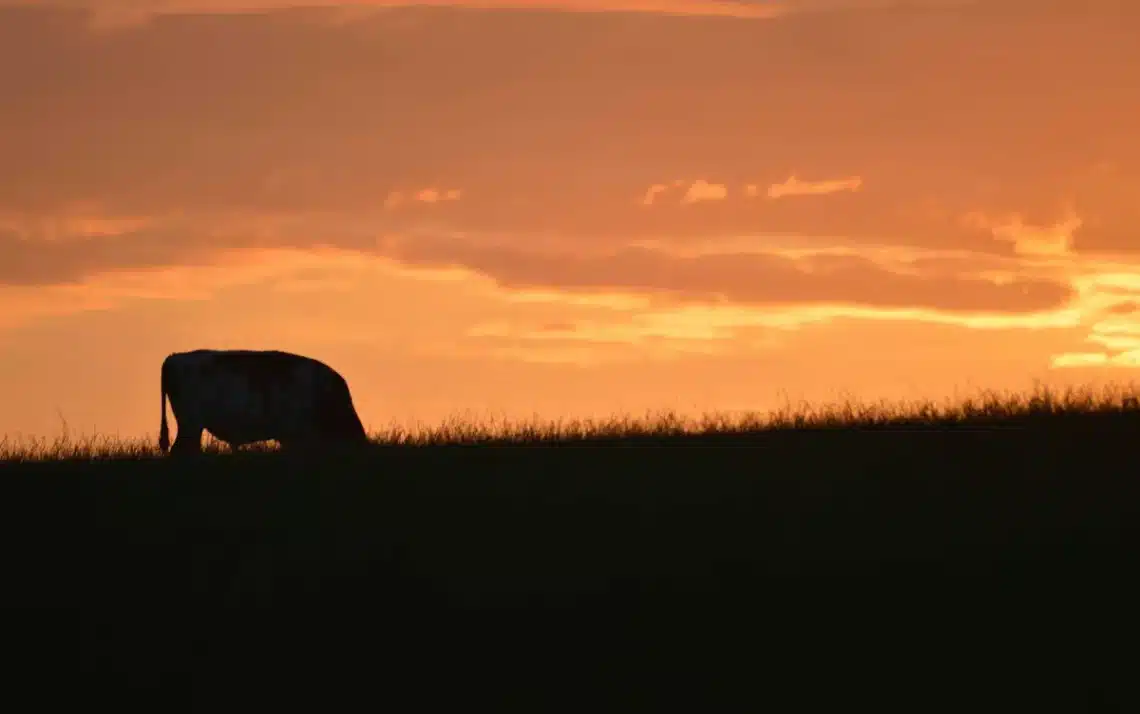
{"x":569,"y":208}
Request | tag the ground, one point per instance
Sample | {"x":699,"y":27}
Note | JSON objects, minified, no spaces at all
{"x":613,"y":570}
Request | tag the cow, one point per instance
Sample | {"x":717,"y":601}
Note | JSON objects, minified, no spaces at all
{"x":245,"y":396}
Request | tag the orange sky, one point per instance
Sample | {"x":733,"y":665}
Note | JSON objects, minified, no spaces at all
{"x":503,"y":209}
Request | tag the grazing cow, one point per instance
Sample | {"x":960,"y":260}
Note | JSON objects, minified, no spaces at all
{"x":244,"y":396}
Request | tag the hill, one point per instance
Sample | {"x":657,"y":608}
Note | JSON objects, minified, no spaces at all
{"x":637,"y":545}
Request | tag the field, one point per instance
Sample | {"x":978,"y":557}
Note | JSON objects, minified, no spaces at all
{"x":633,"y":548}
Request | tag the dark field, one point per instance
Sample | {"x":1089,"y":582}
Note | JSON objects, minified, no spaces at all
{"x":978,"y":558}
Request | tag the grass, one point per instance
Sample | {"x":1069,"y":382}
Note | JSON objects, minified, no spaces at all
{"x":771,"y":533}
{"x":987,"y":409}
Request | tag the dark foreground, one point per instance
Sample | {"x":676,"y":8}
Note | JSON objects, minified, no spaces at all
{"x":964,"y":570}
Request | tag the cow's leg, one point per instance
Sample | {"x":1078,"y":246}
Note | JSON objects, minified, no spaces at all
{"x":188,"y":441}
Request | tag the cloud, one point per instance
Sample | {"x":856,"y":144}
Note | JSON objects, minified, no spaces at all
{"x":77,"y":291}
{"x":1130,"y":307}
{"x":658,"y":189}
{"x":1079,"y":359}
{"x":652,"y":192}
{"x":795,"y":187}
{"x":1096,"y":359}
{"x":1109,"y":294}
{"x":425,"y":195}
{"x":112,"y":14}
{"x":66,"y":225}
{"x":1053,"y":240}
{"x":288,"y":112}
{"x":701,"y":190}
{"x":109,"y":15}
{"x":750,"y":279}
{"x":758,"y":277}
{"x":31,"y":263}
{"x":431,"y":195}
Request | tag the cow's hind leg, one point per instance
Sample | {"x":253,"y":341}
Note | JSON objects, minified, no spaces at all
{"x":188,"y":441}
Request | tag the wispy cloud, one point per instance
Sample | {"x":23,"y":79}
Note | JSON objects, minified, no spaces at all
{"x":1052,"y":240}
{"x":796,"y":187}
{"x":701,"y":190}
{"x":658,"y":189}
{"x":109,"y":15}
{"x":425,"y":195}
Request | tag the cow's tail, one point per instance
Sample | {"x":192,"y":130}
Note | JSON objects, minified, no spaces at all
{"x":163,"y":429}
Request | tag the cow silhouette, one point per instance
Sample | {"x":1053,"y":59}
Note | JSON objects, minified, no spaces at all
{"x":246,"y":396}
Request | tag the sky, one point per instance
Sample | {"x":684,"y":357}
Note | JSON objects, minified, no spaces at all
{"x":566,"y":208}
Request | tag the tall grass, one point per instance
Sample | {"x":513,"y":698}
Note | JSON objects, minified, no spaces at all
{"x":986,"y":408}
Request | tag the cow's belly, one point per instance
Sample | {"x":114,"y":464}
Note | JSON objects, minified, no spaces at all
{"x":239,"y":434}
{"x":234,"y":415}
{"x":246,"y":426}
